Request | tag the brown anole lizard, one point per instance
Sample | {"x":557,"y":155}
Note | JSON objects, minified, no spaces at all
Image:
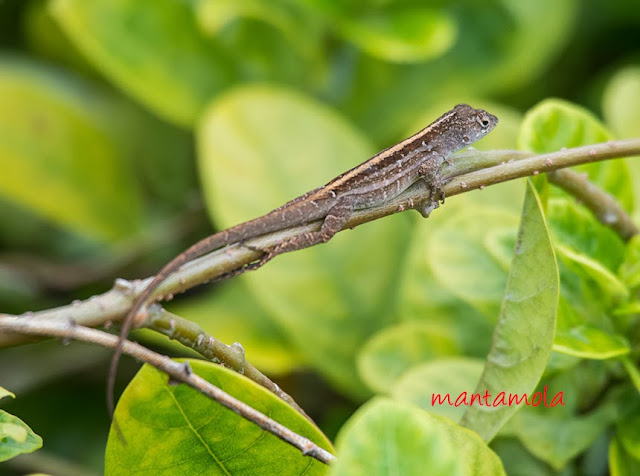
{"x":376,"y":181}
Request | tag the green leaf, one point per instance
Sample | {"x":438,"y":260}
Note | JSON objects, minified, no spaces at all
{"x":621,"y":100}
{"x":6,"y":393}
{"x":177,"y":430}
{"x":629,"y":433}
{"x":262,"y":146}
{"x":576,"y":228}
{"x":385,"y":437}
{"x":152,"y":49}
{"x":291,"y":19}
{"x":231,"y":314}
{"x":630,"y":268}
{"x":581,"y":385}
{"x":486,"y":58}
{"x":612,"y":290}
{"x":589,"y":256}
{"x":628,"y":309}
{"x":402,"y":33}
{"x":56,"y":141}
{"x":590,"y":292}
{"x":430,"y":287}
{"x":632,"y":370}
{"x":395,"y":349}
{"x":215,"y":15}
{"x":581,"y":302}
{"x":15,"y":435}
{"x":589,"y":342}
{"x":422,"y":298}
{"x":45,"y":38}
{"x":558,"y":440}
{"x":428,"y":384}
{"x":524,"y":334}
{"x":622,"y":463}
{"x":459,"y":253}
{"x":517,"y":460}
{"x":554,"y":124}
{"x":277,"y":41}
{"x":620,"y":105}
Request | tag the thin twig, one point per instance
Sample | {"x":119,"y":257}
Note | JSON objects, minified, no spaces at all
{"x":59,"y":276}
{"x":523,"y":166}
{"x":71,"y":330}
{"x":475,"y":172}
{"x":191,"y":335}
{"x":603,"y":206}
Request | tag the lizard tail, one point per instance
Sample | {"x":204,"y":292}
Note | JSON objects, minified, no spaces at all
{"x":237,"y":233}
{"x":208,"y":244}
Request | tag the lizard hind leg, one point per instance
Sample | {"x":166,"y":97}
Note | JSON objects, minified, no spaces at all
{"x":334,"y":221}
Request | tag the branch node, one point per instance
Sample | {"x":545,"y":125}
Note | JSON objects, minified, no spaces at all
{"x":188,"y":371}
{"x":124,"y":286}
{"x":237,"y":346}
{"x":308,"y":448}
{"x":609,"y":218}
{"x":200,"y":340}
{"x":172,"y":328}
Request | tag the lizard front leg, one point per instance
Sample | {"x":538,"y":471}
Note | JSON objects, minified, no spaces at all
{"x":429,"y":171}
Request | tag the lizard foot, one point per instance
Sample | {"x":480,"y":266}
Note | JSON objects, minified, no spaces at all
{"x":427,"y":207}
{"x":267,"y":256}
{"x":436,"y":197}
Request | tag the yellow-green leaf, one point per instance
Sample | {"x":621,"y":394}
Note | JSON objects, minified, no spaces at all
{"x":589,"y":342}
{"x":435,"y":386}
{"x":172,"y":429}
{"x":15,"y":435}
{"x":395,"y":349}
{"x":59,"y":155}
{"x":523,"y":337}
{"x":386,"y":437}
{"x":152,"y":49}
{"x":405,"y":34}
{"x":554,"y":124}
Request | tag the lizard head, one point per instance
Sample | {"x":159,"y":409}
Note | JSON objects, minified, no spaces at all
{"x":471,"y":124}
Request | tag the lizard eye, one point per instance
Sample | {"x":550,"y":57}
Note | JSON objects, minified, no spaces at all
{"x":483,"y":120}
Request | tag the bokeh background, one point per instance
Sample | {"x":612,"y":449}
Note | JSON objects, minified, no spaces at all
{"x":131,"y":128}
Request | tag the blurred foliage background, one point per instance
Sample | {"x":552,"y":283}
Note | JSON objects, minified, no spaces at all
{"x":131,"y":128}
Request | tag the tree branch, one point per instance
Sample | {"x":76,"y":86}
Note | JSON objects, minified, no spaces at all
{"x":71,"y":330}
{"x":603,"y":206}
{"x":191,"y":335}
{"x":477,"y":170}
